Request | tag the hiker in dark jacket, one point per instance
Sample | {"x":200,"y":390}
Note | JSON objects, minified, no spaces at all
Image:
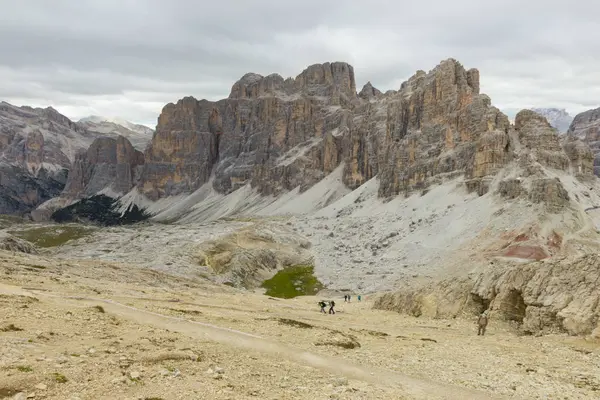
{"x":322,"y":304}
{"x":331,"y":305}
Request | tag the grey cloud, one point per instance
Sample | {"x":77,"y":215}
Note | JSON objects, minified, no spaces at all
{"x":130,"y":57}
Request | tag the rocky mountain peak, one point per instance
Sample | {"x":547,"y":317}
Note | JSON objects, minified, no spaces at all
{"x":368,"y":91}
{"x":531,"y":118}
{"x":253,"y":85}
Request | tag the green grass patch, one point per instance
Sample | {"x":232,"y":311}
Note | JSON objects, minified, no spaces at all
{"x":290,"y":282}
{"x":52,"y":235}
{"x":60,"y":378}
{"x":24,"y":368}
{"x":10,"y":220}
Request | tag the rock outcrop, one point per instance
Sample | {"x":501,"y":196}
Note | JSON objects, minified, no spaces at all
{"x":108,"y":164}
{"x":254,"y":254}
{"x":586,"y":127}
{"x":9,"y":242}
{"x":555,"y":295}
{"x":368,"y":92}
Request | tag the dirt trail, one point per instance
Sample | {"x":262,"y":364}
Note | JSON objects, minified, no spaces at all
{"x":414,"y":387}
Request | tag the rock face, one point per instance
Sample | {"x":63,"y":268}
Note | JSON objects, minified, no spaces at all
{"x":558,"y":118}
{"x":560,"y":295}
{"x":12,"y":243}
{"x":586,"y":127}
{"x":541,"y":140}
{"x":277,"y":134}
{"x":109,"y":163}
{"x":368,"y":92}
{"x":37,"y":146}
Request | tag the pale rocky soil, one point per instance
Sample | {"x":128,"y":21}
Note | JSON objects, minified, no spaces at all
{"x":162,"y":337}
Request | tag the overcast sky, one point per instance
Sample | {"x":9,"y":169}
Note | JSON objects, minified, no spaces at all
{"x":129,"y":58}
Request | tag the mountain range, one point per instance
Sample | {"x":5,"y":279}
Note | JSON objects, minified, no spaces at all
{"x":431,"y":176}
{"x":38,"y":148}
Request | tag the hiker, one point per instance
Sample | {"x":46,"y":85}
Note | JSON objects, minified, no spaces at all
{"x":345,"y":298}
{"x":349,"y":296}
{"x":359,"y":297}
{"x":482,"y":323}
{"x":331,"y":305}
{"x":322,"y":305}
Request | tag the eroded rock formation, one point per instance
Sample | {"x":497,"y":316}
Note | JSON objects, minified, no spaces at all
{"x":108,"y":164}
{"x":586,"y":127}
{"x":278,"y":134}
{"x":555,"y":295}
{"x":251,"y":255}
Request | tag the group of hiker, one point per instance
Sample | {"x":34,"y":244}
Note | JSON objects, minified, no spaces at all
{"x":324,"y":304}
{"x":482,"y":321}
{"x":331,"y":303}
{"x":347,"y":298}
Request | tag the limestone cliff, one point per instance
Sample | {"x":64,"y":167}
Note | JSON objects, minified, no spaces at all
{"x":108,"y":164}
{"x":586,"y":127}
{"x":278,"y":134}
{"x":558,"y":295}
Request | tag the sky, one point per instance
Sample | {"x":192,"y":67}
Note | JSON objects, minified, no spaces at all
{"x":128,"y":58}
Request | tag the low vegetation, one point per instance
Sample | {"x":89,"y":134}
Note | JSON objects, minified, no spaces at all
{"x":294,"y":323}
{"x":60,"y":378}
{"x":100,"y":309}
{"x":52,"y":235}
{"x":10,"y":328}
{"x":290,"y":282}
{"x":101,"y":210}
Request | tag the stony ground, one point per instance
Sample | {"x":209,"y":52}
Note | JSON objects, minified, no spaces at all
{"x":94,"y":330}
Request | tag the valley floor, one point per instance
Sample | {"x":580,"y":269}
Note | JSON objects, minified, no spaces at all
{"x":84,"y":329}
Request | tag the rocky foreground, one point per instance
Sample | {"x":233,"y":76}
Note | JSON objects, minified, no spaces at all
{"x":92,"y":330}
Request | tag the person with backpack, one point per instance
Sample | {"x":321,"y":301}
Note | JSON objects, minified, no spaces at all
{"x":331,"y":305}
{"x":322,"y":304}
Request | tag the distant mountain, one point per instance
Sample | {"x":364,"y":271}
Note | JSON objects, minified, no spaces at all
{"x":37,"y":147}
{"x":138,"y":135}
{"x":559,"y":118}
